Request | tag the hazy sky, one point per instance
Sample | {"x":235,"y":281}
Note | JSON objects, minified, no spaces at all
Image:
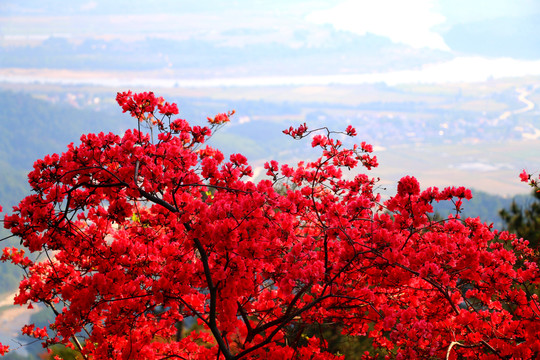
{"x":418,"y":23}
{"x":458,"y":26}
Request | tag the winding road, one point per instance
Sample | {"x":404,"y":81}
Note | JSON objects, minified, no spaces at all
{"x":529,"y":105}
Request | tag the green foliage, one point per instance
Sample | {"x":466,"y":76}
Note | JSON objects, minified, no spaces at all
{"x":337,"y":342}
{"x":524,"y":220}
{"x":63,"y":352}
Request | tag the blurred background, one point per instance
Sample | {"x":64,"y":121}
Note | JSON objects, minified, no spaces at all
{"x":446,"y":90}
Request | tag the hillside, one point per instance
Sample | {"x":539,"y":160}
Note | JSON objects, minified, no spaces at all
{"x":31,"y":128}
{"x":406,"y":133}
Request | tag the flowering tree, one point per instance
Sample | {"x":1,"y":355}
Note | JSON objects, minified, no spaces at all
{"x":136,"y":235}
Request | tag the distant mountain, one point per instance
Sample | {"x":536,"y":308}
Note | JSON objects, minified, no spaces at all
{"x":194,"y":39}
{"x":337,"y":52}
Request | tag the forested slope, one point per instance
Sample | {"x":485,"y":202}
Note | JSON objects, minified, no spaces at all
{"x":31,"y":128}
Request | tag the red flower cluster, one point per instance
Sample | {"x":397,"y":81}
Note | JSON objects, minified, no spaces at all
{"x":33,"y":331}
{"x":141,"y":235}
{"x":528,"y":178}
{"x":408,"y":186}
{"x":137,"y":104}
{"x":146,"y":102}
{"x":221,"y":118}
{"x":296,"y":133}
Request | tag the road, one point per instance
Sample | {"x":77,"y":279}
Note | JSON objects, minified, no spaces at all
{"x":529,"y":105}
{"x":522,"y":96}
